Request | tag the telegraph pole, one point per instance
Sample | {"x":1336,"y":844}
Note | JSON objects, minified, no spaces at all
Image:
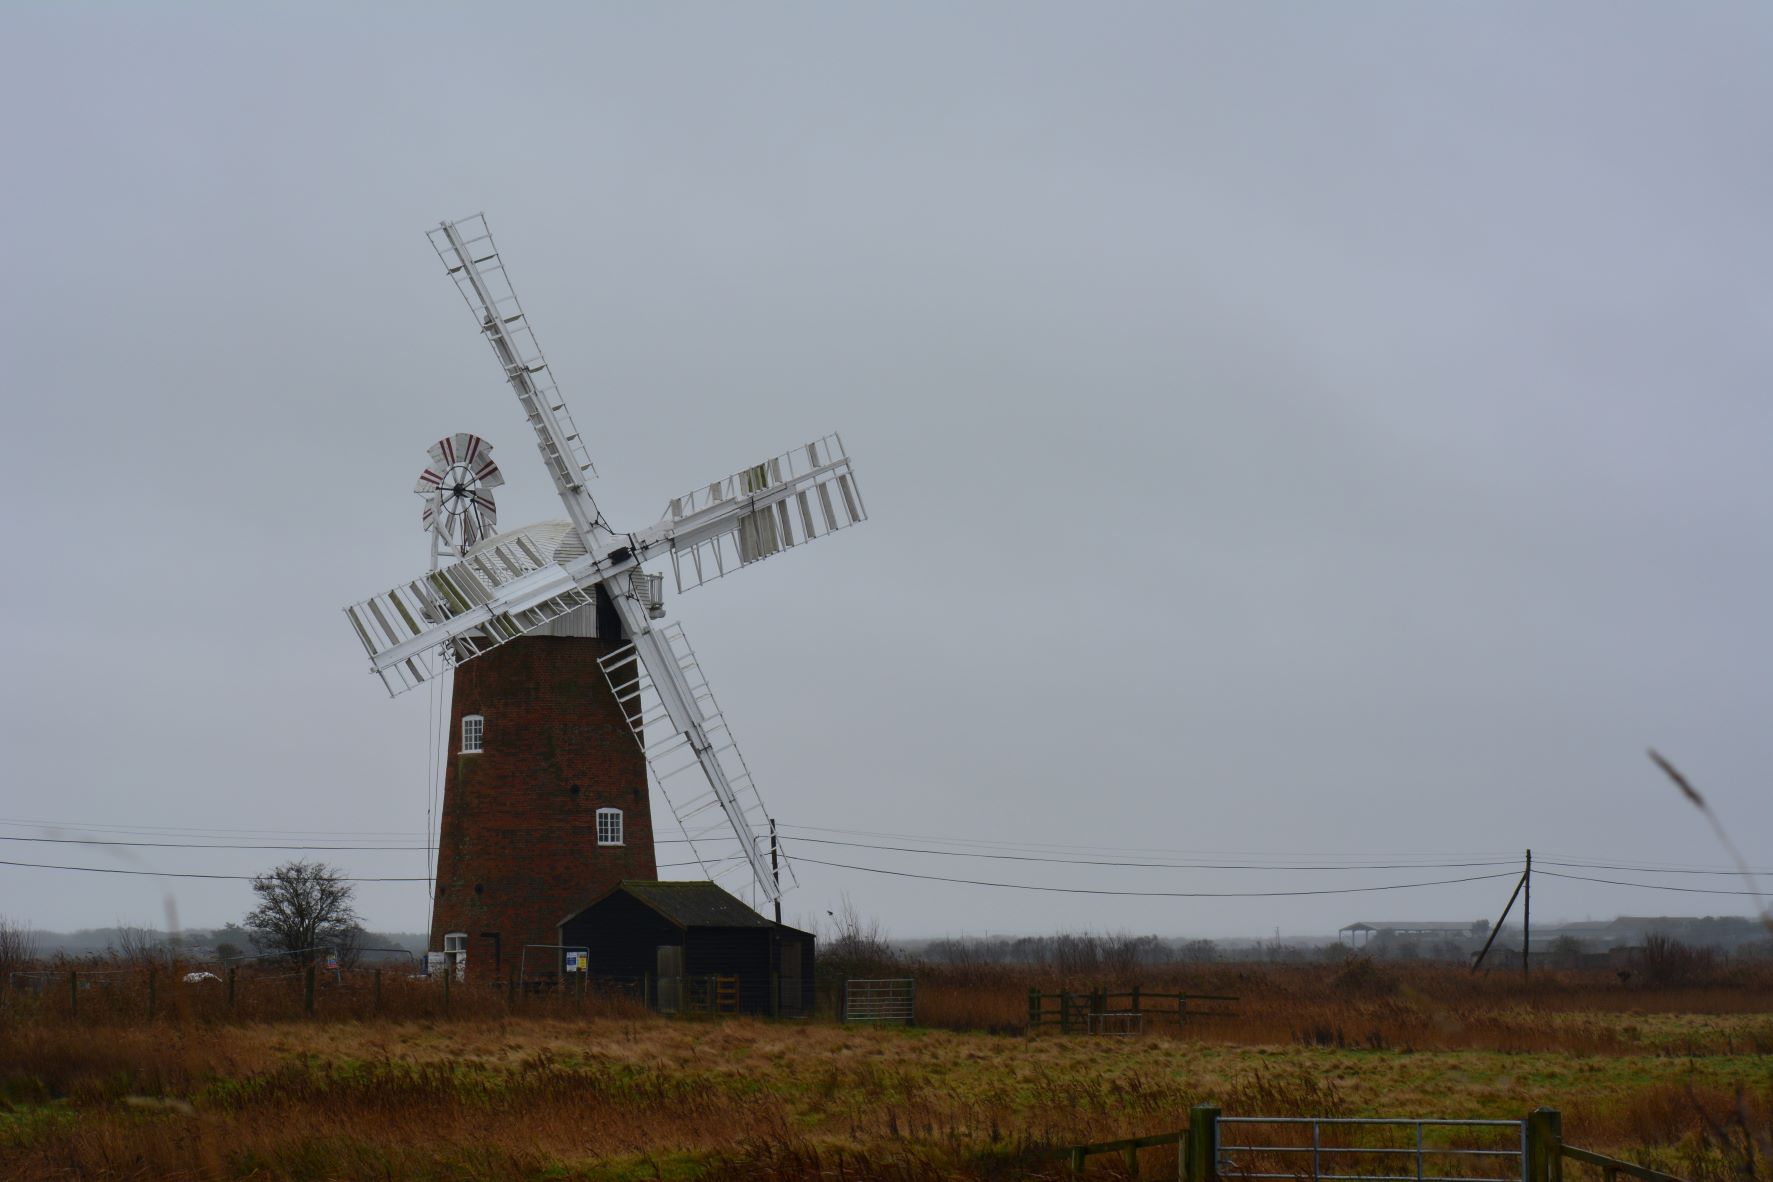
{"x":1526,"y":915}
{"x":776,"y":869}
{"x":1520,"y":884}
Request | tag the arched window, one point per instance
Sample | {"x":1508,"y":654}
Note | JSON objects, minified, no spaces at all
{"x":473,"y":731}
{"x":609,"y":826}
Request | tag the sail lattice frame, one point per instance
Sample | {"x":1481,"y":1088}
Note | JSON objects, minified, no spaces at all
{"x":676,"y":768}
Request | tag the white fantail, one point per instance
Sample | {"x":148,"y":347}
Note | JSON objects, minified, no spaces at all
{"x":459,"y":510}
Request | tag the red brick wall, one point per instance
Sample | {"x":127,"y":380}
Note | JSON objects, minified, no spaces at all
{"x":518,"y":846}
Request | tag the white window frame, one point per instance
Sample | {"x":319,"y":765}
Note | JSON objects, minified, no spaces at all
{"x":478,"y":729}
{"x":602,"y":815}
{"x":455,"y":954}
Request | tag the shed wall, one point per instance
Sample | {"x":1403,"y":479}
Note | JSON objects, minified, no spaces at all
{"x":733,"y":952}
{"x":623,"y":935}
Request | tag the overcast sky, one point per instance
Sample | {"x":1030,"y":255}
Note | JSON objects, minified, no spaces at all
{"x":1323,"y":430}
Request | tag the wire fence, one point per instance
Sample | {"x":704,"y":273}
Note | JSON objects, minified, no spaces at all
{"x":261,"y":992}
{"x":265,"y":989}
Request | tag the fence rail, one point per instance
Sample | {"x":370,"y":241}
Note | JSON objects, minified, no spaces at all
{"x":1612,"y":1167}
{"x":264,"y":989}
{"x":1431,"y":1148}
{"x":1123,"y":1011}
{"x":888,"y":999}
{"x":1534,"y":1152}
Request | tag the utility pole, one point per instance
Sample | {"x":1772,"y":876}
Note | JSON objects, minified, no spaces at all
{"x":1519,"y":884}
{"x":776,"y":869}
{"x":1526,"y":915}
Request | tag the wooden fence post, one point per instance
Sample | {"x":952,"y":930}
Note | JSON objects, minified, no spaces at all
{"x":1545,"y":1138}
{"x":1033,"y":1008}
{"x":151,"y":998}
{"x":1077,"y":1159}
{"x":1201,"y":1157}
{"x":1181,"y":1009}
{"x":1135,"y":1006}
{"x":74,"y":992}
{"x":1065,"y":1011}
{"x":231,"y":973}
{"x":308,"y":991}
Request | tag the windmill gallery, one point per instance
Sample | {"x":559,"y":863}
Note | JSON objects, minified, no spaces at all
{"x":568,"y":687}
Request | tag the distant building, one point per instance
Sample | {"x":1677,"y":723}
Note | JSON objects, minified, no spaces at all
{"x":1393,"y":936}
{"x":1725,"y":933}
{"x":1588,"y":943}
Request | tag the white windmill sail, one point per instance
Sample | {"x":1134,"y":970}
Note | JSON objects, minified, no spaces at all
{"x":468,"y":254}
{"x":762,"y":510}
{"x":712,"y":814}
{"x":499,"y":592}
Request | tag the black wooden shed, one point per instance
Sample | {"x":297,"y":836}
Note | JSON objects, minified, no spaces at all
{"x":678,"y":938}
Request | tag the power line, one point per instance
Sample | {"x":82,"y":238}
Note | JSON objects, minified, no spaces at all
{"x":1644,"y":869}
{"x":990,"y":853}
{"x":1022,"y":886}
{"x":1054,"y":847}
{"x":197,"y":831}
{"x":1156,"y":865}
{"x":177,"y":874}
{"x":947,"y":853}
{"x":1649,"y":886}
{"x":218,"y":845}
{"x":185,"y":845}
{"x":984,"y":855}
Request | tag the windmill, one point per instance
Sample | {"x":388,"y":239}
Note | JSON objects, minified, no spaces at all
{"x":519,"y":615}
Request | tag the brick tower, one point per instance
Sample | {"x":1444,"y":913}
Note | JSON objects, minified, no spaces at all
{"x":544,"y":798}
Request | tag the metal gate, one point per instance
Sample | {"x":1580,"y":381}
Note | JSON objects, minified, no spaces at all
{"x":879,"y":1000}
{"x":1368,"y":1149}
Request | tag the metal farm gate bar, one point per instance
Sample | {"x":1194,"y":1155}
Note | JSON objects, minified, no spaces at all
{"x":880,"y":1000}
{"x":1218,"y":1148}
{"x":1370,"y":1149}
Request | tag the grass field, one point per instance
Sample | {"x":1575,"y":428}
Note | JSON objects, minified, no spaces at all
{"x":1676,"y":1077}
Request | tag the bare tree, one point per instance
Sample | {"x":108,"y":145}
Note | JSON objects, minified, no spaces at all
{"x":18,"y":948}
{"x":858,"y":947}
{"x":302,"y":906}
{"x":1198,"y":952}
{"x":140,"y":946}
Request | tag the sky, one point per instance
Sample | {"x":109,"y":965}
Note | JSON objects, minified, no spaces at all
{"x":1292,"y":434}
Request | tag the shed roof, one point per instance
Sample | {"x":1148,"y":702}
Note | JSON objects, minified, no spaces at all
{"x":1429,"y":925}
{"x":695,"y":904}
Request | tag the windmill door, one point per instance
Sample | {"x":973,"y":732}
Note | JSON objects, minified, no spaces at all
{"x":670,"y":978}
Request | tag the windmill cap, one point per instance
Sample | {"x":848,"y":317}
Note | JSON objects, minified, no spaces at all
{"x":555,"y":540}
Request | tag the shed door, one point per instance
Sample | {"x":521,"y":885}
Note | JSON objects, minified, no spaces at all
{"x":670,"y":978}
{"x":793,"y":952}
{"x":788,"y":1001}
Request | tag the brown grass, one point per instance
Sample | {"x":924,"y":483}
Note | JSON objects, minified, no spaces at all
{"x":563,"y":1088}
{"x":1420,"y":1006}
